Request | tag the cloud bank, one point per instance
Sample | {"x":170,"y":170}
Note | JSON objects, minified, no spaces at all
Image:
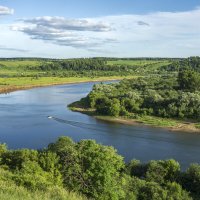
{"x":154,"y":34}
{"x":62,"y":23}
{"x":65,"y":32}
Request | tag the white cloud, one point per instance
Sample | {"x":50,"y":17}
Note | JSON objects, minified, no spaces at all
{"x":62,"y":23}
{"x":65,"y":32}
{"x":162,"y":34}
{"x":6,"y":11}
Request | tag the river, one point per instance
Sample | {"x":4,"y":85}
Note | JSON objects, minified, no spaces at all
{"x":24,"y":124}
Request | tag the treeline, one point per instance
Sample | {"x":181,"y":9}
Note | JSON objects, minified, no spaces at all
{"x":89,"y":67}
{"x":102,"y":58}
{"x":97,"y":172}
{"x":191,"y":63}
{"x":95,"y":64}
{"x":28,"y":59}
{"x":165,"y":96}
{"x":95,"y":67}
{"x":64,"y":74}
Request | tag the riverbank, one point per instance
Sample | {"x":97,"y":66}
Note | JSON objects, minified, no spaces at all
{"x":152,"y":121}
{"x":13,"y":84}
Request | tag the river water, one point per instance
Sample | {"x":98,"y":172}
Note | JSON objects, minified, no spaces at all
{"x":24,"y":124}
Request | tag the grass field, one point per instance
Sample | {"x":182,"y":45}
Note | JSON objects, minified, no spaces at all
{"x":23,"y":81}
{"x":12,"y":84}
{"x":16,"y":74}
{"x":10,"y":68}
{"x":19,"y":63}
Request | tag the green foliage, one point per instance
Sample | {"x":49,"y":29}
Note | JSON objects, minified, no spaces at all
{"x":21,"y":73}
{"x":156,"y":96}
{"x":155,"y":171}
{"x":3,"y":148}
{"x":48,"y":161}
{"x":92,"y":170}
{"x":114,"y":108}
{"x":62,"y":145}
{"x":105,"y":106}
{"x":133,"y":187}
{"x":152,"y":191}
{"x":136,"y":168}
{"x":12,"y":189}
{"x":9,"y":190}
{"x":191,"y":63}
{"x":101,"y":170}
{"x":36,"y":71}
{"x":189,"y":80}
{"x":191,"y":179}
{"x":33,"y":177}
{"x":163,"y":171}
{"x":15,"y":159}
{"x":13,"y":192}
{"x":176,"y":192}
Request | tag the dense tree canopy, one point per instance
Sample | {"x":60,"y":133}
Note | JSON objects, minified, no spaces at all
{"x":89,"y":167}
{"x":163,"y":96}
{"x":189,"y":80}
{"x":191,"y":63}
{"x":97,"y":172}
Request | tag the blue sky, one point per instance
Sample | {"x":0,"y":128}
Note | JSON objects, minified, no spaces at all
{"x":87,"y":28}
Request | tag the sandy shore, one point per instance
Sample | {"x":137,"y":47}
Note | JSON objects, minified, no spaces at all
{"x":181,"y":126}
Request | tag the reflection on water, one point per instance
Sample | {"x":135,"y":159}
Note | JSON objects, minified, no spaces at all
{"x":24,"y":124}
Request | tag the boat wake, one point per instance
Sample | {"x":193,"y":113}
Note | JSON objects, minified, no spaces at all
{"x":136,"y":133}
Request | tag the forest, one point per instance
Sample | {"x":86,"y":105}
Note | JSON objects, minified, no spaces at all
{"x":191,"y":63}
{"x":88,"y":170}
{"x":166,"y":96}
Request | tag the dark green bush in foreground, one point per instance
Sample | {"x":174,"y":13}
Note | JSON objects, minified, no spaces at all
{"x":94,"y":171}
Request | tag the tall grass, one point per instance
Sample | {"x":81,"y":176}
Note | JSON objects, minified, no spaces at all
{"x":10,"y":191}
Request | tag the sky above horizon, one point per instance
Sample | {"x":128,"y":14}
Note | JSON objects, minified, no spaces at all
{"x":90,"y":28}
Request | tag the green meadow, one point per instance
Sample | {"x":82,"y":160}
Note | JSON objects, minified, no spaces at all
{"x":26,"y":72}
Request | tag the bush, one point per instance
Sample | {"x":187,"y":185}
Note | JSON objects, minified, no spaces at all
{"x":191,"y":179}
{"x":163,"y":171}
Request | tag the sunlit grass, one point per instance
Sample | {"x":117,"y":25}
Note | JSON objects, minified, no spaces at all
{"x":24,"y":81}
{"x":19,"y":63}
{"x":10,"y":191}
{"x":158,"y":121}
